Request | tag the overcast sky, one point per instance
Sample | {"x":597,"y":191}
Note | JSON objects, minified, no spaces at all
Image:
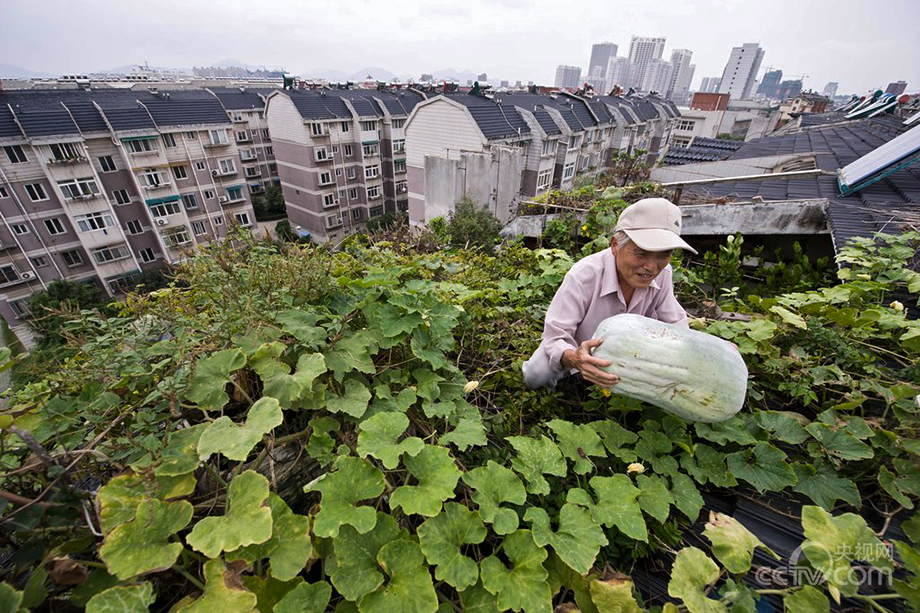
{"x":860,"y":43}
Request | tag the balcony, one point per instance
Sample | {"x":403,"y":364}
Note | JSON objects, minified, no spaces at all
{"x":230,"y":201}
{"x":159,"y":184}
{"x":253,"y":172}
{"x":248,"y":156}
{"x":214,"y":145}
{"x":223,"y":172}
{"x":323,"y":160}
{"x":243,"y":138}
{"x":77,"y":159}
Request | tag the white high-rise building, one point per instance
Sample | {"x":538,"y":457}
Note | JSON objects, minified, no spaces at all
{"x":601,"y":53}
{"x":568,"y":76}
{"x":642,"y":50}
{"x":620,"y":71}
{"x":741,"y":71}
{"x":679,"y":87}
{"x":710,"y":85}
{"x":830,"y":90}
{"x":658,"y":77}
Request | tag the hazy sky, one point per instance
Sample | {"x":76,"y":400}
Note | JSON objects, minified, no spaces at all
{"x":860,"y":43}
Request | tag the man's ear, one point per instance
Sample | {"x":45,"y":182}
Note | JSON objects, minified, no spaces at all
{"x":613,"y":243}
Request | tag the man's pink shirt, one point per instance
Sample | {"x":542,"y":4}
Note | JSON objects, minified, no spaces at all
{"x":590,"y":293}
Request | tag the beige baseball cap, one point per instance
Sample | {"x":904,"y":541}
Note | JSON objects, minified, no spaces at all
{"x":653,"y":224}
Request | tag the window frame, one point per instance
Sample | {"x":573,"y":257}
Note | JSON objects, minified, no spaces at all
{"x":36,"y":187}
{"x":54,"y":226}
{"x":107,"y":163}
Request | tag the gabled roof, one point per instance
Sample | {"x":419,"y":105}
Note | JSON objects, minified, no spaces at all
{"x":317,"y":105}
{"x":240,"y":98}
{"x":496,"y":121}
{"x":624,"y":106}
{"x":701,"y":150}
{"x":535,"y":104}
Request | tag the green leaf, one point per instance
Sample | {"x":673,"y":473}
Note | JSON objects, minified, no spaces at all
{"x":352,"y":481}
{"x":119,"y":599}
{"x":614,"y":437}
{"x":493,"y":485}
{"x":686,"y":496}
{"x":248,"y":519}
{"x":831,"y":543}
{"x":740,"y":597}
{"x":760,"y":329}
{"x":119,"y":498}
{"x":707,"y":465}
{"x":302,"y":326}
{"x":212,"y":374}
{"x":409,"y":588}
{"x":577,"y":443}
{"x":222,"y":592}
{"x":441,"y":539}
{"x":524,"y":585}
{"x":353,"y":569}
{"x":618,"y":505}
{"x":578,"y":539}
{"x":784,"y":426}
{"x":536,"y":457}
{"x":469,"y":432}
{"x":353,"y":402}
{"x":236,"y":441}
{"x":734,"y":430}
{"x":268,"y":590}
{"x":732,"y":543}
{"x":378,"y":438}
{"x":180,"y":456}
{"x":806,"y":598}
{"x":614,"y":595}
{"x":437,"y":476}
{"x":764,"y":467}
{"x":10,"y":599}
{"x":142,"y":544}
{"x":691,"y":575}
{"x":320,"y":444}
{"x":477,"y":599}
{"x":353,"y":352}
{"x":840,"y":443}
{"x":789,"y":317}
{"x":824,"y":486}
{"x":288,"y":549}
{"x":305,"y":598}
{"x":265,"y":362}
{"x":289,"y":387}
{"x":889,"y":483}
{"x":654,"y":497}
{"x":911,"y":528}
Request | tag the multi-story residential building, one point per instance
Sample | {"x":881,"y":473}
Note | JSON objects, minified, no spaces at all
{"x":601,"y":54}
{"x":642,"y":50}
{"x":567,"y":76}
{"x":830,"y":90}
{"x":710,"y":85}
{"x":341,"y":156}
{"x":100,"y":185}
{"x":769,"y":85}
{"x":679,"y":87}
{"x":741,"y":71}
{"x":620,"y":72}
{"x":658,"y":77}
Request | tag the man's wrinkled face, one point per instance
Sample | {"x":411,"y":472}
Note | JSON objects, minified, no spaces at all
{"x":637,"y":267}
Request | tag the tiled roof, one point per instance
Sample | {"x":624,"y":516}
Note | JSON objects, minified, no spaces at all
{"x":186,"y":112}
{"x":496,"y":121}
{"x":701,"y":150}
{"x":316,"y":105}
{"x":644,"y":108}
{"x":8,"y":127}
{"x":535,"y":104}
{"x":233,"y":99}
{"x":626,"y":108}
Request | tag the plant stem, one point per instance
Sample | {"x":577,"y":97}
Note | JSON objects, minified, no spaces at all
{"x":189,"y":577}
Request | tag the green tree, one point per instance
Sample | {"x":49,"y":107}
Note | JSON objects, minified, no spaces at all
{"x":58,"y":304}
{"x":471,"y":226}
{"x":270,"y":205}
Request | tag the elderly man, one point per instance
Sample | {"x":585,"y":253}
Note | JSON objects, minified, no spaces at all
{"x":633,"y":276}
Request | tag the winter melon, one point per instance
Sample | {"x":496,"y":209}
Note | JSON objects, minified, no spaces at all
{"x":691,"y":374}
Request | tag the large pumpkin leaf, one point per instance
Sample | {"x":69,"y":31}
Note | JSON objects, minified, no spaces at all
{"x":615,"y":438}
{"x":764,"y":467}
{"x":437,"y":476}
{"x":142,"y":544}
{"x":222,"y":592}
{"x":409,"y":587}
{"x":353,"y":569}
{"x":477,"y":599}
{"x":119,"y":498}
{"x":806,"y":598}
{"x":378,"y":438}
{"x":353,"y":352}
{"x":302,"y":325}
{"x":248,"y":519}
{"x":469,"y":432}
{"x":577,"y":442}
{"x":352,"y":402}
{"x":524,"y":585}
{"x":305,"y":598}
{"x":495,"y":484}
{"x":824,"y":486}
{"x":578,"y":539}
{"x":180,"y":456}
{"x":10,"y":598}
{"x":618,"y":505}
{"x":288,"y":549}
{"x":212,"y":374}
{"x":654,"y":497}
{"x":121,"y":599}
{"x":441,"y":539}
{"x":839,"y":442}
{"x":693,"y":572}
{"x":352,"y":481}
{"x":235,"y":441}
{"x":732,"y":543}
{"x":614,"y":595}
{"x":278,"y":380}
{"x":686,"y":496}
{"x":534,"y":458}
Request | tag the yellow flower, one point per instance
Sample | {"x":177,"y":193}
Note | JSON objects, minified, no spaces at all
{"x":635,"y":467}
{"x":470,"y":386}
{"x":606,"y":393}
{"x":584,"y":228}
{"x":897,"y":306}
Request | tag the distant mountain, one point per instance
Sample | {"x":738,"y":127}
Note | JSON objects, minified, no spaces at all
{"x":376,"y":72}
{"x":231,"y":63}
{"x":18,"y":72}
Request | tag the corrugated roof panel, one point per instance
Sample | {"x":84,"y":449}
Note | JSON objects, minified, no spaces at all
{"x":312,"y":105}
{"x":8,"y":127}
{"x":48,"y":122}
{"x":87,"y":116}
{"x":131,"y":118}
{"x":177,"y":112}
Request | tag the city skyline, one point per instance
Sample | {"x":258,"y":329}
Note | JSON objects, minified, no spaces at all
{"x":509,"y":40}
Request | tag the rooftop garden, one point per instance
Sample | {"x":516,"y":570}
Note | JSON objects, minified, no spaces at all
{"x":288,"y":428}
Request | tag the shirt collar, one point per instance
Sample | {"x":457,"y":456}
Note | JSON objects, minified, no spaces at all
{"x":611,"y":282}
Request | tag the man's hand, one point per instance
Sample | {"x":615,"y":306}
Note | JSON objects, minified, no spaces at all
{"x":588,"y":365}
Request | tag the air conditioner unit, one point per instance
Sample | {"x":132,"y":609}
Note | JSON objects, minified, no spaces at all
{"x":27,"y":275}
{"x":162,"y":221}
{"x":223,"y":199}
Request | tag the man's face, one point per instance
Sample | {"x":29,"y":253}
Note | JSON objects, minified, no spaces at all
{"x":637,"y":267}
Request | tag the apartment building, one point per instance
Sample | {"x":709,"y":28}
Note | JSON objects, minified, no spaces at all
{"x":340,"y":155}
{"x":99,"y":185}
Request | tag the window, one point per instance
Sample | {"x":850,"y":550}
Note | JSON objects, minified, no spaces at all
{"x":177,"y":237}
{"x":371,"y":172}
{"x":685,"y":125}
{"x":19,"y":228}
{"x":93,"y":221}
{"x":15,"y":154}
{"x":399,"y":145}
{"x":191,"y":135}
{"x":242,"y":137}
{"x":219,"y":220}
{"x":8,"y":274}
{"x":345,"y":126}
{"x":568,"y":171}
{"x":329,"y":200}
{"x":574,"y":141}
{"x":317,"y":129}
{"x":180,"y":172}
{"x":247,"y":154}
{"x":39,"y":261}
{"x":209,"y":194}
{"x":226,"y":167}
{"x":107,"y":163}
{"x":348,"y":150}
{"x":376,"y":211}
{"x":269,"y":151}
{"x":79,"y":188}
{"x":265,"y":133}
{"x":335,"y":149}
{"x":585,"y":161}
{"x":134,"y":226}
{"x":371,"y":150}
{"x":396,"y":124}
{"x":399,"y":166}
{"x":120,"y":285}
{"x":333,"y":221}
{"x":62,"y":152}
{"x":153,"y":178}
{"x":72,"y":258}
{"x":189,"y":201}
{"x":401,"y":187}
{"x":367,"y":126}
{"x":353,"y":193}
{"x":218,"y":137}
{"x":373,"y":192}
{"x":143,"y":145}
{"x":234,"y":193}
{"x":321,"y":153}
{"x":164,"y":208}
{"x":242,"y":219}
{"x":351,"y":172}
{"x":325,"y":177}
{"x":198,"y":228}
{"x":146,"y":254}
{"x":680,"y":141}
{"x":36,"y":192}
{"x":3,"y":192}
{"x":200,"y":166}
{"x":54,"y":226}
{"x":170,"y":140}
{"x":338,"y":172}
{"x":104,"y":255}
{"x":121,"y":196}
{"x":544,"y":178}
{"x":549,"y":147}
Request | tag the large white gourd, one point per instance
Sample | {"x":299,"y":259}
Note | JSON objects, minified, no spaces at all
{"x":691,"y":374}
